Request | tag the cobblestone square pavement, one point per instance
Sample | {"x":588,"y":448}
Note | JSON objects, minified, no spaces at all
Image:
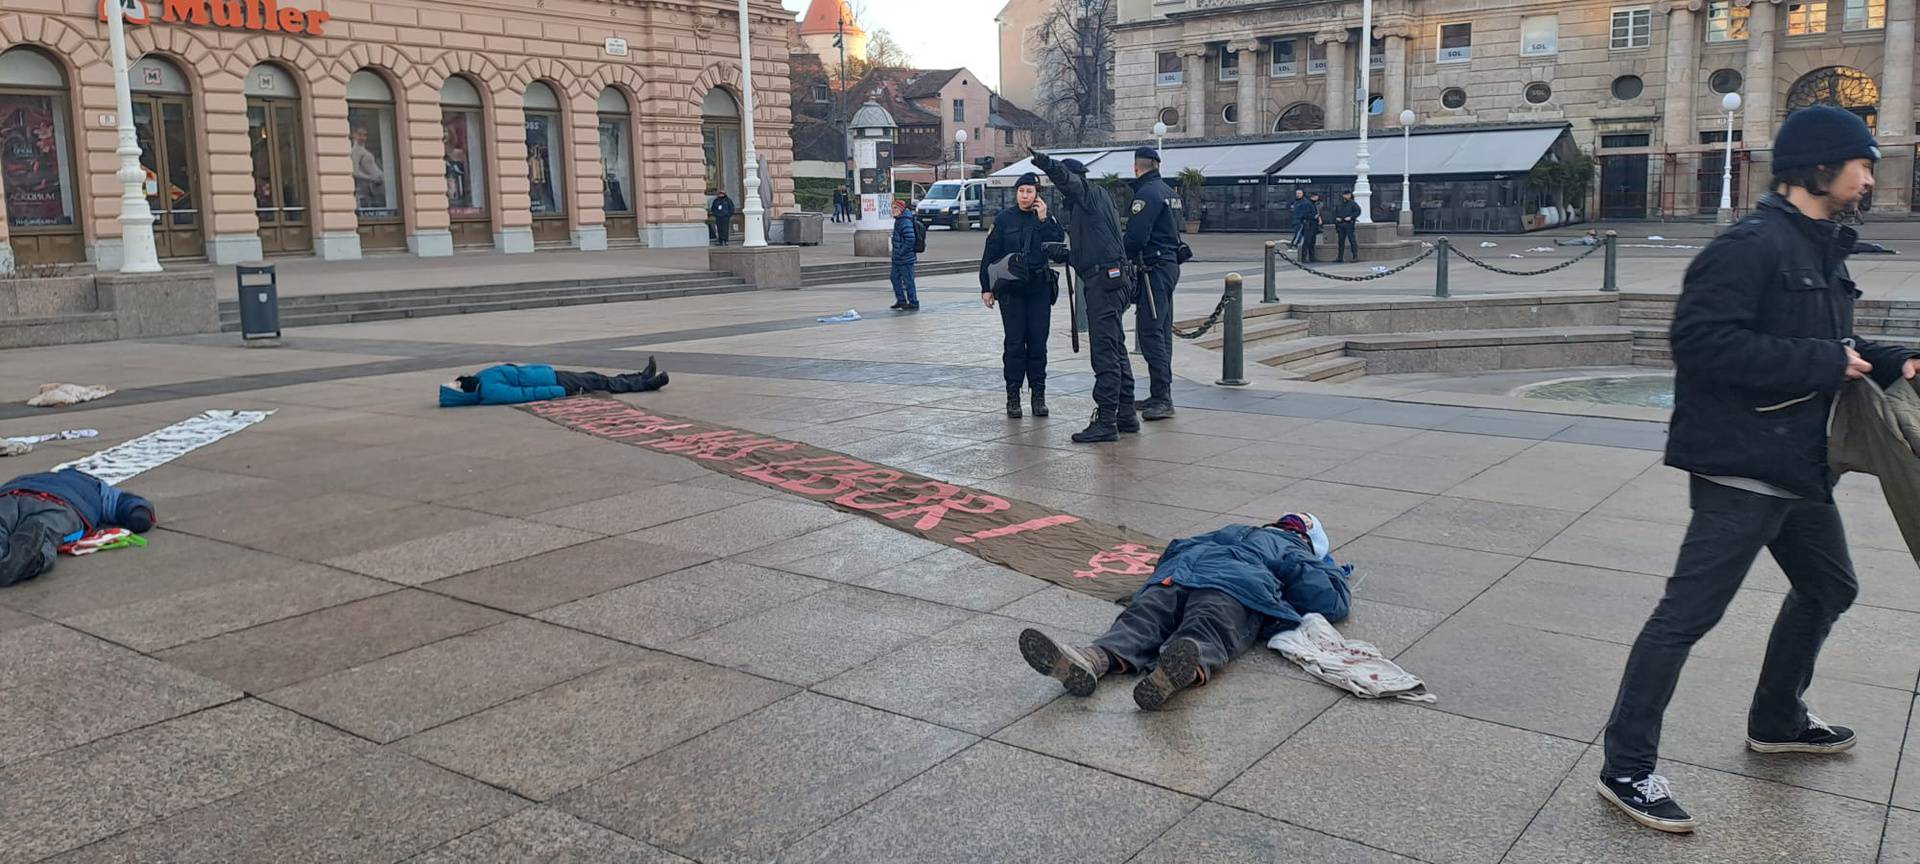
{"x":373,"y":630}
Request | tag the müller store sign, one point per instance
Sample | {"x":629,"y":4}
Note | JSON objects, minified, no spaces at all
{"x":265,"y":15}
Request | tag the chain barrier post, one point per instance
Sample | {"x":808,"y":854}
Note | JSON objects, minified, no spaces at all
{"x":1440,"y":253}
{"x":1270,"y":293}
{"x":1609,"y":281}
{"x":1233,"y":370}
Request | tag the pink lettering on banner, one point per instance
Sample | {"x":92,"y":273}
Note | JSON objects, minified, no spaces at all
{"x":1021,"y":528}
{"x":725,"y":445}
{"x":932,"y":506}
{"x":630,"y":425}
{"x":1126,"y":559}
{"x":822,"y":476}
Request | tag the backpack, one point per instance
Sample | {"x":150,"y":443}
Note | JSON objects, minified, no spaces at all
{"x":919,"y":237}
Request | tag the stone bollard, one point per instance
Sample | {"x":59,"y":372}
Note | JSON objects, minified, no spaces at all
{"x":1441,"y":252}
{"x":1609,"y":279}
{"x":1270,"y":292}
{"x":1233,"y":348}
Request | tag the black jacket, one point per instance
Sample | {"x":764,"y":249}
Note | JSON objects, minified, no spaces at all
{"x":1758,"y":350}
{"x":1346,"y":212}
{"x":721,"y":208}
{"x":1093,"y":222}
{"x":1304,"y":211}
{"x":1152,"y":233}
{"x":1017,"y":230}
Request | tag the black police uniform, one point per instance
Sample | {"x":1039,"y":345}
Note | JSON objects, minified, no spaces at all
{"x":1346,"y":215}
{"x":722,"y":210}
{"x":1025,"y":306}
{"x":1098,"y":256}
{"x":1153,"y":243}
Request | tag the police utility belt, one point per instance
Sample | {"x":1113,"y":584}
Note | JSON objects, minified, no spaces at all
{"x":1122,"y":276}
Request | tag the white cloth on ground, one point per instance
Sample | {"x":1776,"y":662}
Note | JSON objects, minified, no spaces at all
{"x":63,"y":435}
{"x":122,"y":462}
{"x":1354,"y":666}
{"x":56,"y":395}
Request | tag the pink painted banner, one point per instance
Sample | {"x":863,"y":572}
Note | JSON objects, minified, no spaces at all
{"x":1103,"y":560}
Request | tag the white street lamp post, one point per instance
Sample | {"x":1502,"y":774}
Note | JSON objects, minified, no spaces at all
{"x":960,"y":153}
{"x":756,"y":232}
{"x":1159,"y":135}
{"x":1407,"y":117}
{"x":1730,"y":103}
{"x":1362,"y":188}
{"x":137,"y":252}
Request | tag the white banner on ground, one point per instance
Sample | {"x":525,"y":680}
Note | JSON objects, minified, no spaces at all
{"x":123,"y":462}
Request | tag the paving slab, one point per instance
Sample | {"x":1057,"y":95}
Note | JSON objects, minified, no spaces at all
{"x":64,"y":689}
{"x":377,"y":528}
{"x":970,"y":677}
{"x":820,"y":635}
{"x":1901,"y":845}
{"x":1488,"y":526}
{"x":1906,"y":791}
{"x":1094,"y":474}
{"x":847,"y":552}
{"x":1064,"y":609}
{"x":1429,"y":475}
{"x":645,"y":508}
{"x":71,"y":798}
{"x":747,"y":526}
{"x":564,"y":575}
{"x":492,"y":541}
{"x":554,"y":489}
{"x":1223,"y":835}
{"x":1198,"y":487}
{"x":1350,"y":795}
{"x":1346,"y":511}
{"x":1281,"y":458}
{"x":662,"y":611}
{"x":1583,"y":476}
{"x":1196,"y":745}
{"x":399,"y":695}
{"x":383,"y":806}
{"x":290,"y":588}
{"x":743,"y":792}
{"x":1658,"y":494}
{"x":171,"y":563}
{"x":1742,"y":820}
{"x":1517,"y":676}
{"x":271,"y":656}
{"x":1342,"y":435}
{"x":572,"y":733}
{"x":1617,"y":543}
{"x":11,"y":620}
{"x":996,"y":803}
{"x":542,"y":834}
{"x":1422,"y":575}
{"x":955,"y":578}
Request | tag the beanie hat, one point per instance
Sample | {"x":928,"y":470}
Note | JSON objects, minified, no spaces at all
{"x":1147,"y":153}
{"x":1027,"y":179}
{"x":1822,"y":135}
{"x":1074,"y":165}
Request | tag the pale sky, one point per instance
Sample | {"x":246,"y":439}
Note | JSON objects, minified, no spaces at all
{"x":938,"y":34}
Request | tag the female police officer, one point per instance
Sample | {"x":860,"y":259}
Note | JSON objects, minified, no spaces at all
{"x":1026,"y":294}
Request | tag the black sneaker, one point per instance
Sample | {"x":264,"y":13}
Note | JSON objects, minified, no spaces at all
{"x":1177,"y":669}
{"x":1157,"y":411}
{"x":897,"y":307}
{"x":913,"y":307}
{"x":1647,"y":798}
{"x":1818,"y":737}
{"x":1062,"y":663}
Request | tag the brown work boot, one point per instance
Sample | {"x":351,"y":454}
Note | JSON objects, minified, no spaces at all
{"x":1077,"y":668}
{"x":1178,"y":668}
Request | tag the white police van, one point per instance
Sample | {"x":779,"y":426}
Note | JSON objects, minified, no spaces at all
{"x":948,"y":200}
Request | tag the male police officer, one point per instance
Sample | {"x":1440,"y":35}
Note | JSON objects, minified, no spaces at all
{"x":1098,"y":255}
{"x":1153,"y":244}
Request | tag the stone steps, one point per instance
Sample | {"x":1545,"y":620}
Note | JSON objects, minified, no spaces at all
{"x":342,"y":309}
{"x":1255,"y":331}
{"x":65,"y":329}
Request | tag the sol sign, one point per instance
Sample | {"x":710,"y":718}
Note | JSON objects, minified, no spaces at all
{"x":267,"y":15}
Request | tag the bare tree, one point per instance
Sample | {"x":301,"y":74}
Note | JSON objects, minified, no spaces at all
{"x":885,"y":52}
{"x":1075,"y":42}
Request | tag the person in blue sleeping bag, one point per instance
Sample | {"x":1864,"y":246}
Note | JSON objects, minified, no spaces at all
{"x":512,"y":384}
{"x":1209,"y":599}
{"x":39,"y":512}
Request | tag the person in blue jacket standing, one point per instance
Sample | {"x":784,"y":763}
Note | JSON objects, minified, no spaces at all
{"x":38,"y":512}
{"x":906,"y":297}
{"x":512,"y":384}
{"x":1209,"y":599}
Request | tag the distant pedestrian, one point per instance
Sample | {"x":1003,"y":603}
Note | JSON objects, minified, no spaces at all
{"x":722,"y":210}
{"x":906,"y":297}
{"x":839,"y":203}
{"x":1346,"y":215}
{"x":1294,"y":209}
{"x":1762,"y":340}
{"x":1306,"y":220}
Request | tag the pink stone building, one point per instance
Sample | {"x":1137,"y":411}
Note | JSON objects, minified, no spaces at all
{"x":342,"y":127}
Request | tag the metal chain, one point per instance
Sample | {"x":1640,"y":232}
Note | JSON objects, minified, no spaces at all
{"x":1367,"y":278}
{"x":1505,"y":272}
{"x":1206,"y":325}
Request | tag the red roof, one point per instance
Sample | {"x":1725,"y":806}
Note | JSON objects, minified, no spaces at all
{"x":824,"y":16}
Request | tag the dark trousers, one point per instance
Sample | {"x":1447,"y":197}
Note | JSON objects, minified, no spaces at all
{"x":1344,"y":240}
{"x":594,"y":382}
{"x":1309,"y":238}
{"x":1154,"y":322}
{"x":1224,"y":628}
{"x":1024,"y":316}
{"x":1729,"y":528}
{"x":1107,"y":342}
{"x":904,"y":291}
{"x":18,"y":512}
{"x":720,"y":229}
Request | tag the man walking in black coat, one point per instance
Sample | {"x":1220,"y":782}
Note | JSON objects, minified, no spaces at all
{"x":1345,"y":215}
{"x":1762,"y":342}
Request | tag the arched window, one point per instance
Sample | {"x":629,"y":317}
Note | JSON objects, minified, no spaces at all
{"x":163,"y":124}
{"x":373,"y":148}
{"x":36,"y":153}
{"x":1840,"y":86}
{"x":546,"y":182}
{"x":279,"y":160}
{"x":720,"y":143}
{"x":463,"y":134}
{"x":1303,"y":117}
{"x":616,"y":163}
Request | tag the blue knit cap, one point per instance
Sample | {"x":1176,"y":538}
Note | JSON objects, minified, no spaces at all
{"x":1822,"y":135}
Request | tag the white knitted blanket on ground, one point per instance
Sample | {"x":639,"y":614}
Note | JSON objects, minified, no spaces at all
{"x":1354,"y":666}
{"x":121,"y":462}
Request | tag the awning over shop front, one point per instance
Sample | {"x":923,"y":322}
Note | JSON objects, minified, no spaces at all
{"x":1493,"y":151}
{"x":1005,"y":177}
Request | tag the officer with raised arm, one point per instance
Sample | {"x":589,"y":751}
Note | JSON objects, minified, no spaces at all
{"x":1153,"y":245}
{"x":1098,"y":256}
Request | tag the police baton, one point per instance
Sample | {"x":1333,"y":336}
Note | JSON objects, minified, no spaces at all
{"x":1073,"y":310}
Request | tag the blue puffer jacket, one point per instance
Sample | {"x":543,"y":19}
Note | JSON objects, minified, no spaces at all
{"x":506,"y":384}
{"x":1270,"y":571}
{"x":98,"y":503}
{"x":903,"y":240}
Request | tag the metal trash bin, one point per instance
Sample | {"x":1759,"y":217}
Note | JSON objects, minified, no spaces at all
{"x":804,"y":229}
{"x":259,"y":301}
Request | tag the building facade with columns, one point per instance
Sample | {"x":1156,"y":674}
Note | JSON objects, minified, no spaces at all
{"x":340,"y":128}
{"x":1641,"y":83}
